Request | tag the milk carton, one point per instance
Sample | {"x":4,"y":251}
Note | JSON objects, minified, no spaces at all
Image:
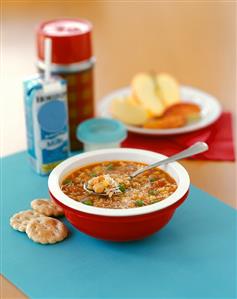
{"x":46,"y":122}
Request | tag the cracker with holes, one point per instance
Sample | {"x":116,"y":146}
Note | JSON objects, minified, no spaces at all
{"x":20,"y":220}
{"x":47,"y":207}
{"x":46,"y":230}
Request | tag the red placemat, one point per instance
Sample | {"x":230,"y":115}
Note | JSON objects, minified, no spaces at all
{"x":219,"y":137}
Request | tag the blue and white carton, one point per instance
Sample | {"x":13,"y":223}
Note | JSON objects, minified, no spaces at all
{"x":46,"y":122}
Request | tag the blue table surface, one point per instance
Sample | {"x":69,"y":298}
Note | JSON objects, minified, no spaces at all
{"x":194,"y":256}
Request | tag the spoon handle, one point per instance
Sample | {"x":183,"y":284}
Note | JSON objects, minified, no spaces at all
{"x":194,"y":149}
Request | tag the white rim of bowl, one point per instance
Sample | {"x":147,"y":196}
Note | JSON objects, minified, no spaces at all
{"x":55,"y":190}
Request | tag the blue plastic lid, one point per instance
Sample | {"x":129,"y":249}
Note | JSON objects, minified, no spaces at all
{"x":101,"y":130}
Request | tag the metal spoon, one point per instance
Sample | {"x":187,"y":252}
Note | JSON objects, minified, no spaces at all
{"x":197,"y":148}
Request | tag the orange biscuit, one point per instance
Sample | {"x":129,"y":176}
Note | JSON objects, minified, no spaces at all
{"x":166,"y":122}
{"x":190,"y":111}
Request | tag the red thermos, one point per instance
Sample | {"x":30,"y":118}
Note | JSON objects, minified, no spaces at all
{"x":73,"y":60}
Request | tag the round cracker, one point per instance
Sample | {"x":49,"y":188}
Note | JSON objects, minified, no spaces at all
{"x":20,"y":220}
{"x":47,"y":207}
{"x":46,"y":230}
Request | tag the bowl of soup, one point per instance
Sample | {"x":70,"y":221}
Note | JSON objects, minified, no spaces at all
{"x":143,"y":205}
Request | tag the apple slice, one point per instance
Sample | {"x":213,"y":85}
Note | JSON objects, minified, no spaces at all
{"x":132,"y":100}
{"x":128,"y":111}
{"x":144,"y":91}
{"x":167,"y":89}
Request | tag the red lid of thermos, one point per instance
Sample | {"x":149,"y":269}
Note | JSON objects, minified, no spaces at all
{"x":71,"y":40}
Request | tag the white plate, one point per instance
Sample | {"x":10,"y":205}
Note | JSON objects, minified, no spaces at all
{"x":210,"y":110}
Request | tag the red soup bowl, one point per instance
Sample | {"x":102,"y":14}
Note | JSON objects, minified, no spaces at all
{"x":118,"y":224}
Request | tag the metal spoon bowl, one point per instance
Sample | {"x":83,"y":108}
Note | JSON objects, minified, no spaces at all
{"x":197,"y":148}
{"x":85,"y":187}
